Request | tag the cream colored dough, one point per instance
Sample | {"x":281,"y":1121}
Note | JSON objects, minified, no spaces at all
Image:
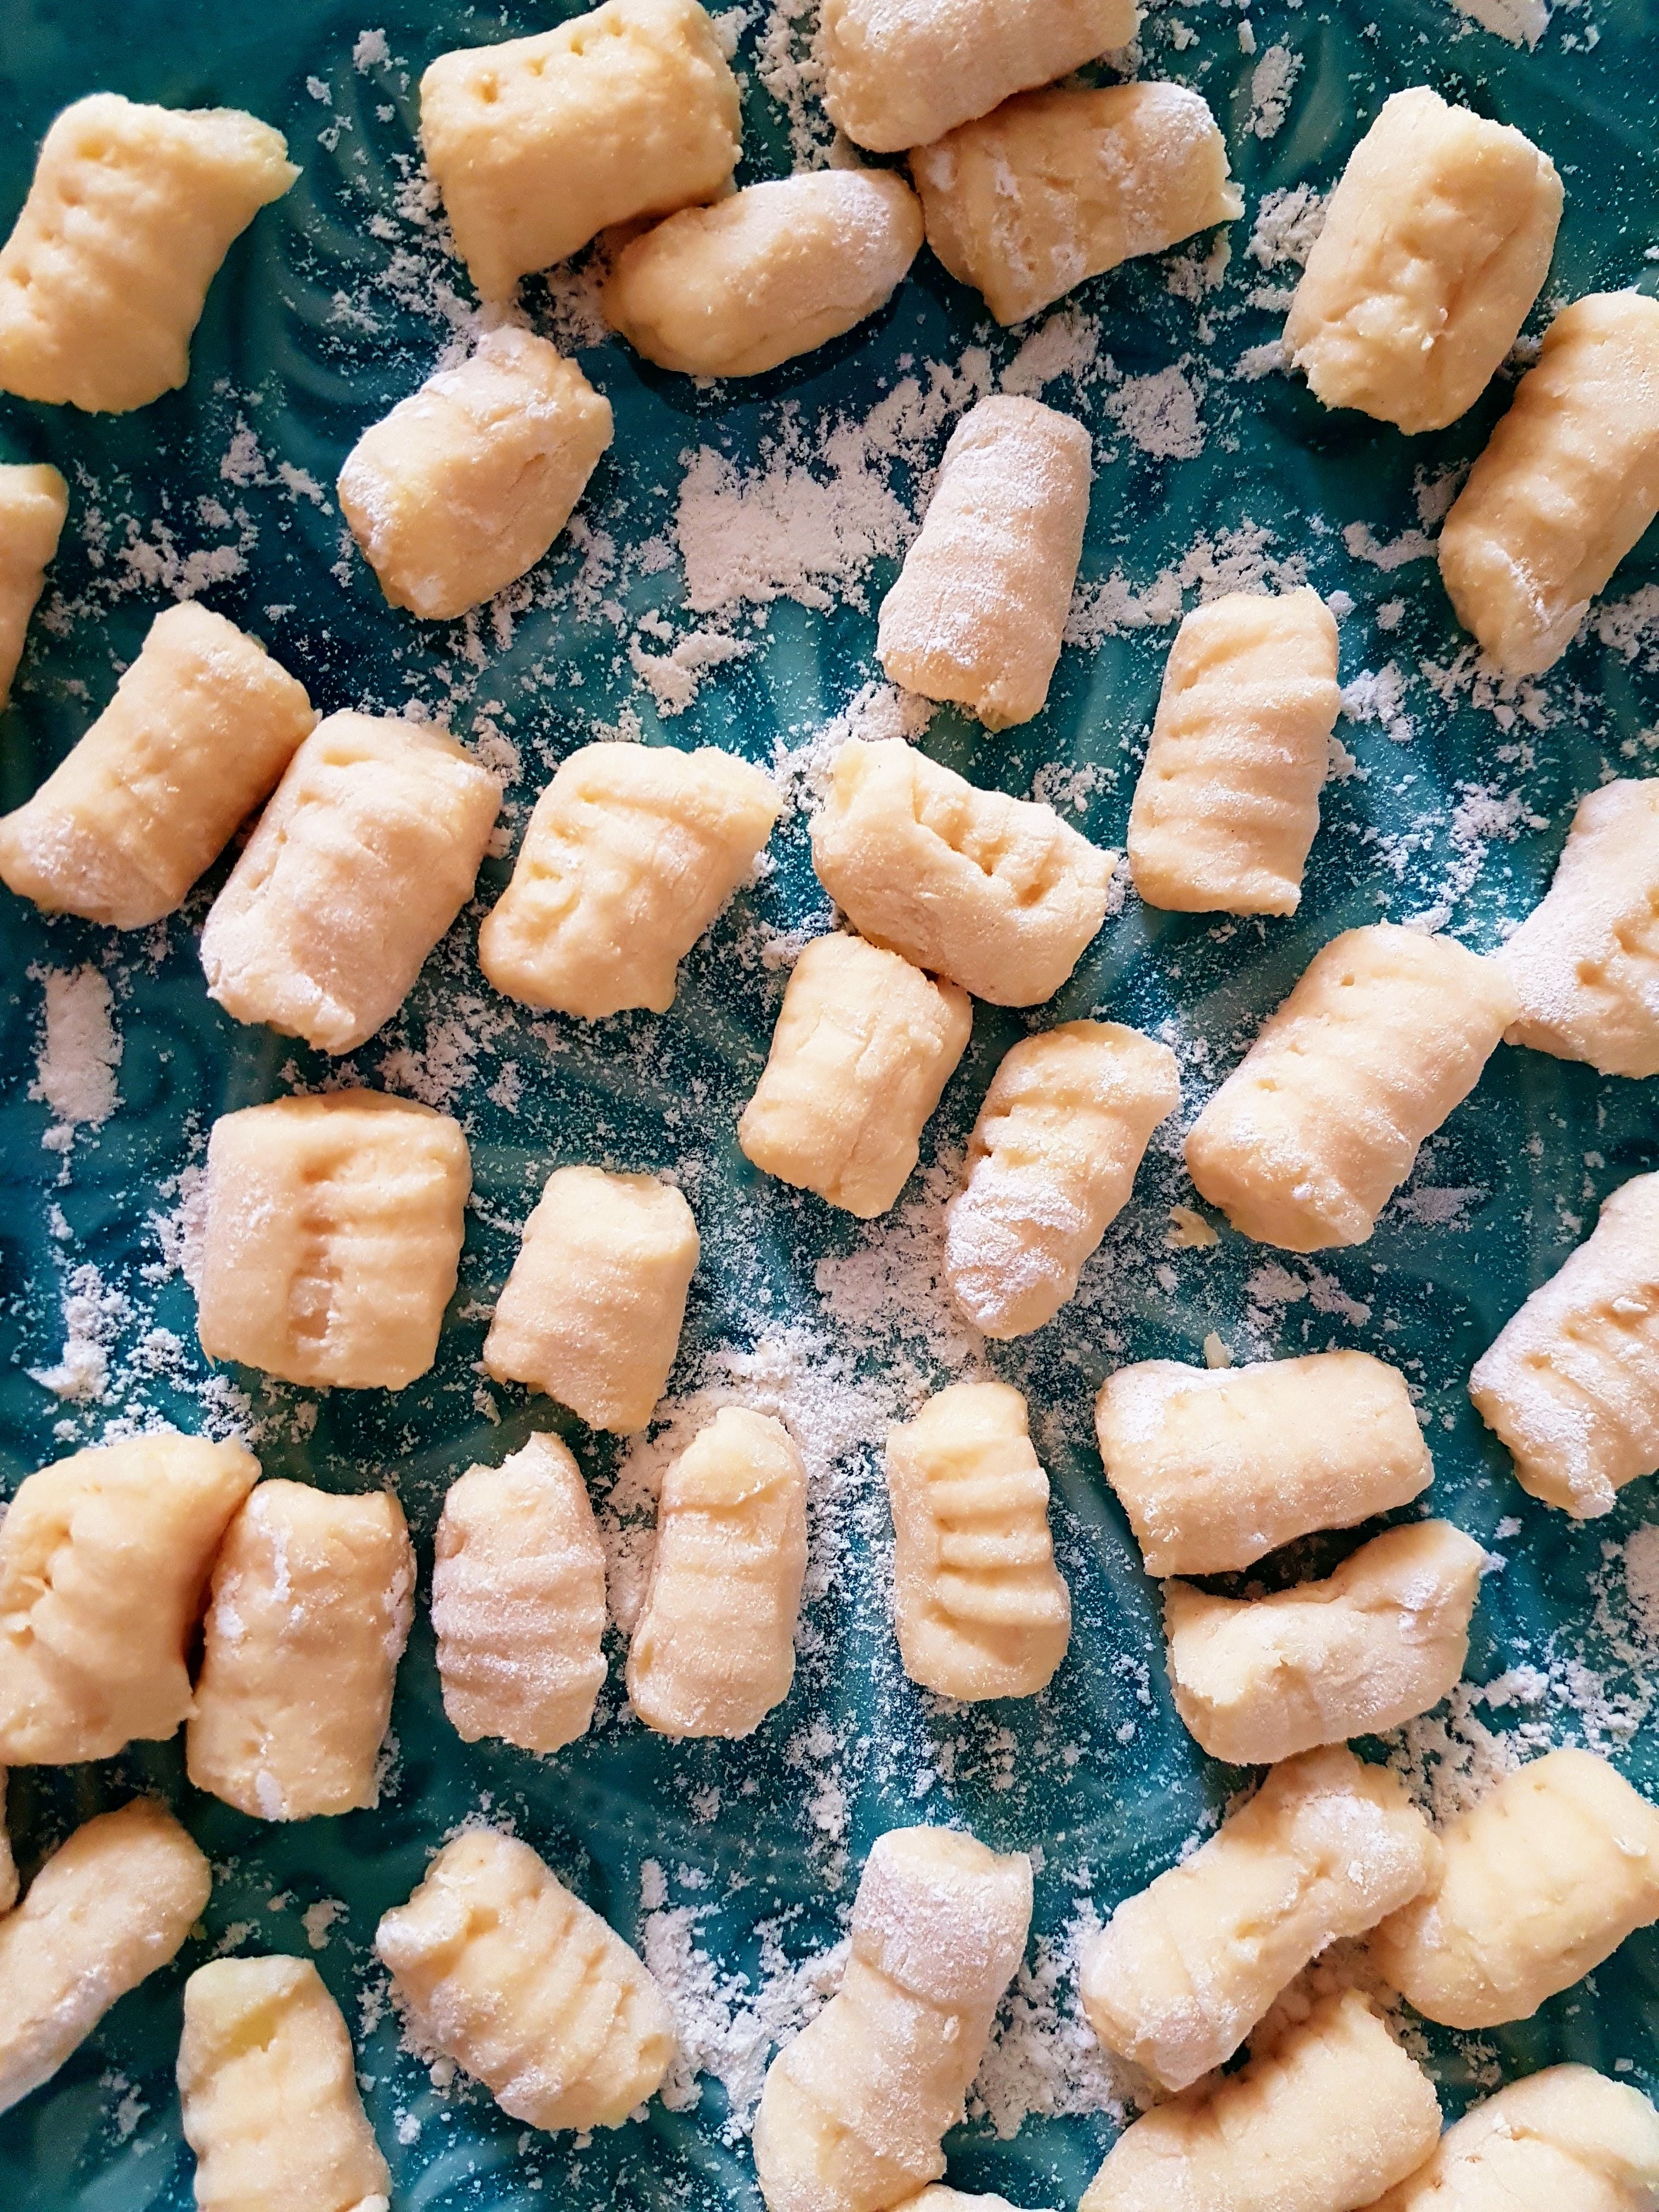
{"x":1227,"y":805}
{"x":856,"y":2106}
{"x":1181,"y":1973}
{"x":268,"y":2084}
{"x":502,"y":1969}
{"x":997,"y":894}
{"x":774,"y":271}
{"x":898,"y":73}
{"x":1437,"y":241}
{"x":108,"y":1908}
{"x":979,"y":611}
{"x":104,"y":1560}
{"x":1566,"y":2140}
{"x":591,"y":1311}
{"x":366,"y":854}
{"x":33,"y":502}
{"x":1541,"y":1879}
{"x":981,"y":1608}
{"x":463,"y":487}
{"x":1325,"y":2121}
{"x":132,"y":210}
{"x":200,"y":728}
{"x":713,"y":1650}
{"x":1310,"y":1136}
{"x":1571,"y":1382}
{"x":333,"y":1239}
{"x":1568,"y":483}
{"x":312,"y":1598}
{"x":1380,"y":1641}
{"x":1050,"y":1164}
{"x":1057,"y":186}
{"x":864,"y":1046}
{"x":630,"y":853}
{"x":936,"y":2197}
{"x":538,"y":144}
{"x":518,"y":1600}
{"x":7,"y":1864}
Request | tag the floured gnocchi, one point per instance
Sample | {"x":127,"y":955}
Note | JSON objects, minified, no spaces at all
{"x":33,"y":503}
{"x":1567,"y":2137}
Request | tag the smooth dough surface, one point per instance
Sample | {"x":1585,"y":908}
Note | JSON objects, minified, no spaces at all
{"x":33,"y":503}
{"x":1566,"y":2140}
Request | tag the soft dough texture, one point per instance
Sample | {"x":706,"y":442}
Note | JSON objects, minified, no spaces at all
{"x":131,"y":210}
{"x":33,"y":502}
{"x":1566,"y":2140}
{"x":1437,"y":241}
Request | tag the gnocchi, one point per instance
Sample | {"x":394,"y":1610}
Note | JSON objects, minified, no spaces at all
{"x":1567,"y":2137}
{"x":33,"y":503}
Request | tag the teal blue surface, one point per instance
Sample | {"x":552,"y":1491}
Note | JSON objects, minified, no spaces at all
{"x":1097,"y":1772}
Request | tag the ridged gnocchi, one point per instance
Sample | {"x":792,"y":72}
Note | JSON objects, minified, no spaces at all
{"x":33,"y":503}
{"x":1566,"y":2140}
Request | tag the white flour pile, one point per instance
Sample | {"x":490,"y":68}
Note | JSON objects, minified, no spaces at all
{"x":79,"y":1052}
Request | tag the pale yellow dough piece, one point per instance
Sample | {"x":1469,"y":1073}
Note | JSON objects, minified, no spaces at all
{"x":1310,"y":1137}
{"x":1380,"y":1641}
{"x":1568,"y":482}
{"x":1325,"y":2121}
{"x":591,"y":1311}
{"x":1215,"y":1468}
{"x":855,"y":2106}
{"x":981,"y":1608}
{"x":979,"y":611}
{"x":109,"y":1906}
{"x":936,"y":2197}
{"x":1057,"y":186}
{"x":7,"y":1864}
{"x":630,"y":853}
{"x":333,"y":1239}
{"x":33,"y":502}
{"x":1571,"y":1382}
{"x":1181,"y":1973}
{"x":899,"y":73}
{"x":200,"y":728}
{"x":104,"y":1560}
{"x":505,"y":1971}
{"x":132,"y":210}
{"x":1542,"y":1879}
{"x":463,"y":486}
{"x":268,"y":2083}
{"x":1566,"y":2140}
{"x":518,"y":1600}
{"x":538,"y":144}
{"x":864,"y":1046}
{"x":774,"y":271}
{"x":364,"y":857}
{"x":715,"y":1647}
{"x":1437,"y":241}
{"x":1051,"y":1163}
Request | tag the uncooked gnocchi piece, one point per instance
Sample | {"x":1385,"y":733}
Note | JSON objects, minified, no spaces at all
{"x":502,"y":1969}
{"x":104,"y":1558}
{"x":1571,"y":1382}
{"x":998,"y":894}
{"x":1376,"y":1644}
{"x":1217,"y":1467}
{"x":268,"y":2084}
{"x":518,"y":1600}
{"x":1566,"y":2140}
{"x":1437,"y":241}
{"x":33,"y":502}
{"x":1056,"y":186}
{"x":1181,"y":1973}
{"x":463,"y":486}
{"x":1324,"y":2121}
{"x":1312,"y":1134}
{"x":1051,"y":1163}
{"x":774,"y":271}
{"x":714,"y":1650}
{"x":630,"y":853}
{"x":132,"y":210}
{"x":7,"y":1864}
{"x":1568,"y":482}
{"x":864,"y":1046}
{"x":981,"y":1608}
{"x":312,"y":1598}
{"x":591,"y":1311}
{"x":109,"y":1906}
{"x":366,"y":854}
{"x":200,"y":728}
{"x":936,"y":2197}
{"x":979,"y":611}
{"x":899,"y":73}
{"x":855,"y":2106}
{"x":333,"y":1237}
{"x":538,"y":144}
